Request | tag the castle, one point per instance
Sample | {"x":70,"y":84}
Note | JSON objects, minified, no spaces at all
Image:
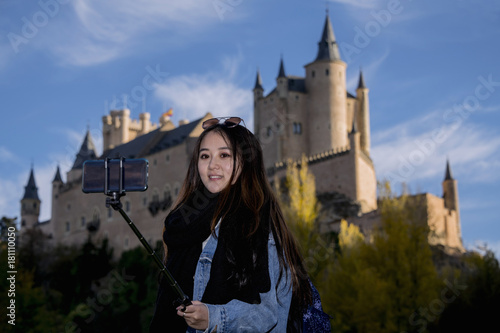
{"x":313,"y":116}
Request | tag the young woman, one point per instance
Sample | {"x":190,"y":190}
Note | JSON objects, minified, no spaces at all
{"x":228,"y":245}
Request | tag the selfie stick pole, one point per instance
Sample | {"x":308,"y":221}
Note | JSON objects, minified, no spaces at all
{"x":113,"y":200}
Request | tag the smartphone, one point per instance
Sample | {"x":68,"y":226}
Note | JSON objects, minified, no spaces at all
{"x":133,"y":173}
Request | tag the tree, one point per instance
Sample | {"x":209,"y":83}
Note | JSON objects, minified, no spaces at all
{"x":384,"y":283}
{"x":474,"y":297}
{"x":300,"y":207}
{"x":7,"y":225}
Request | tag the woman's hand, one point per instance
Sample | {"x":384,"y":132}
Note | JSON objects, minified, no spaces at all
{"x":195,"y":315}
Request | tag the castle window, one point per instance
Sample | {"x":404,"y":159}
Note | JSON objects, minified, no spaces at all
{"x":297,"y":128}
{"x":68,"y":227}
{"x":127,"y":206}
{"x":145,"y":201}
{"x":110,"y":212}
{"x":125,"y":243}
{"x":269,"y":131}
{"x":68,"y":207}
{"x":83,"y":222}
{"x":167,"y":192}
{"x":327,"y":72}
{"x":313,"y":73}
{"x":167,"y":158}
{"x":34,"y":205}
{"x":23,"y":223}
{"x":156,"y":196}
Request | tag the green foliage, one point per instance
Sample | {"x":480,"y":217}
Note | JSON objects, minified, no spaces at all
{"x":69,"y":289}
{"x":474,"y":298}
{"x":300,"y":207}
{"x":377,"y":284}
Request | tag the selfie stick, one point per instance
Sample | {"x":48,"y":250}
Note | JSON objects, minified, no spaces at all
{"x":113,"y":200}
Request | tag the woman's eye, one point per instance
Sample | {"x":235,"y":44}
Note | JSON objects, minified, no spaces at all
{"x":203,"y":156}
{"x":224,"y":155}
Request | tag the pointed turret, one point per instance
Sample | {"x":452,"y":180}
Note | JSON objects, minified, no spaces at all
{"x":325,"y":83}
{"x":450,"y":189}
{"x":354,"y":128}
{"x":281,"y":72}
{"x":30,"y":190}
{"x":361,"y":84}
{"x":87,"y":152}
{"x":328,"y":48}
{"x":363,"y":113}
{"x":448,"y":175}
{"x":354,"y":136}
{"x":30,"y":203}
{"x":57,"y":177}
{"x":282,"y":85}
{"x":258,"y":90}
{"x":450,"y":200}
{"x":258,"y":82}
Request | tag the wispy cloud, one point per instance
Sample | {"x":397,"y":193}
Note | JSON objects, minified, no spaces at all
{"x":214,"y":92}
{"x":89,"y":32}
{"x":370,"y":70}
{"x":418,"y":149}
{"x":6,"y":155}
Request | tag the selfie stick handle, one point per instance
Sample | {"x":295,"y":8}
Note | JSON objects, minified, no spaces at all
{"x":113,"y":200}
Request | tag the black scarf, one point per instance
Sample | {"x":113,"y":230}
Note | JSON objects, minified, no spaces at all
{"x":185,"y":230}
{"x":239,"y":267}
{"x":240,"y":263}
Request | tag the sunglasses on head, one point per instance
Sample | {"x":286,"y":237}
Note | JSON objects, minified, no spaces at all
{"x":229,"y":122}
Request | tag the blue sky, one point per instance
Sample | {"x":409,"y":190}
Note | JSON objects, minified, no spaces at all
{"x":432,"y":69}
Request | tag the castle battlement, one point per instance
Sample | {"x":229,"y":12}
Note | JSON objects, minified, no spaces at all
{"x":311,"y":160}
{"x":118,"y":128}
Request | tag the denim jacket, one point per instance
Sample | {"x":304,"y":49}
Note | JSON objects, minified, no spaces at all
{"x":270,"y":315}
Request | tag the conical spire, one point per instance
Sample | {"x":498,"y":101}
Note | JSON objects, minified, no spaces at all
{"x":354,"y":125}
{"x":258,"y":82}
{"x":30,"y":190}
{"x":282,"y":69}
{"x":328,"y":48}
{"x":448,"y":175}
{"x":57,"y":177}
{"x":361,"y":84}
{"x":87,"y":152}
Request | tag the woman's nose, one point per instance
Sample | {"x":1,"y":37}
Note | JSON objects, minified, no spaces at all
{"x":213,"y":164}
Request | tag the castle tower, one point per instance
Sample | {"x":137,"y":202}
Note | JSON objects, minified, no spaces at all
{"x":258,"y":94}
{"x":118,"y":128}
{"x":325,"y":83}
{"x":57,"y":185}
{"x":258,"y":90}
{"x":363,"y":114}
{"x":451,"y":227}
{"x":144,"y":120}
{"x":450,"y":191}
{"x":30,"y":204}
{"x":87,"y":152}
{"x":282,"y":81}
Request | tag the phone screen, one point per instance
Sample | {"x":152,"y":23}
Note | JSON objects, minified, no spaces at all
{"x":135,"y":175}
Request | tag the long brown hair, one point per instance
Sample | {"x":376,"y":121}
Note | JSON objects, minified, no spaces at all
{"x":252,"y":189}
